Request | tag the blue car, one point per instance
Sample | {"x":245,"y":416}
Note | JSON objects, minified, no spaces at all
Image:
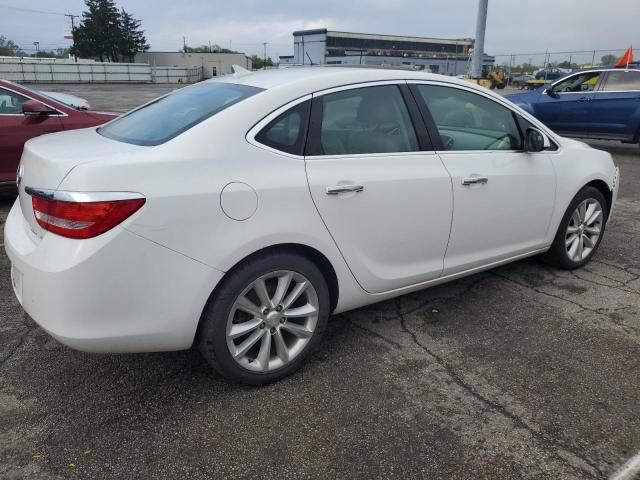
{"x":600,"y":102}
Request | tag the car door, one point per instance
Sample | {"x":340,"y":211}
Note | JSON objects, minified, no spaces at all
{"x":16,"y":128}
{"x":503,"y":196}
{"x":565,"y":107}
{"x":616,"y":106}
{"x":379,"y":187}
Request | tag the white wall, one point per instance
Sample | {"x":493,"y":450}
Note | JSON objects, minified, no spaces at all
{"x":223,"y":62}
{"x":307,"y":47}
{"x":70,"y":72}
{"x":25,"y":71}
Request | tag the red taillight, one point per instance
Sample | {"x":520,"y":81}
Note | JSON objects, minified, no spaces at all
{"x":82,"y":219}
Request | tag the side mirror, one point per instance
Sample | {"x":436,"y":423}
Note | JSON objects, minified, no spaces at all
{"x":32,"y":107}
{"x":535,"y":140}
{"x":551,"y":92}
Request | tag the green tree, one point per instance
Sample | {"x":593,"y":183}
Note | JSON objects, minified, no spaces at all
{"x":9,"y":48}
{"x":207,"y":49}
{"x":259,"y":62}
{"x":608,"y":59}
{"x":132,"y":39}
{"x":107,"y":34}
{"x":568,"y":65}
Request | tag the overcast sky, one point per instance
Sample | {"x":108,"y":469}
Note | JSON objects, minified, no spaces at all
{"x":513,"y":26}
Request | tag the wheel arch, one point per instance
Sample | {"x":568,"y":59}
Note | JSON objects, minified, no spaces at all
{"x":603,"y":187}
{"x":312,"y":254}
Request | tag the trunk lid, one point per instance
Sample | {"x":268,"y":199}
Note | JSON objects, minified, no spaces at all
{"x":48,"y":159}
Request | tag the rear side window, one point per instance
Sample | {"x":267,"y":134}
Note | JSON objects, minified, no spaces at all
{"x":169,"y":116}
{"x":364,"y":120}
{"x":468,"y":121}
{"x":288,"y":131}
{"x":622,"y":81}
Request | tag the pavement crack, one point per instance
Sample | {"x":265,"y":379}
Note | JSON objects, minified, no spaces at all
{"x":542,"y":292}
{"x":19,"y":343}
{"x":622,"y":286}
{"x":545,"y":439}
{"x":373,"y":334}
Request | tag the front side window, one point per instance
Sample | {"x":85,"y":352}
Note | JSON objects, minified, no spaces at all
{"x":10,"y":102}
{"x":468,"y":121}
{"x":365,"y":120}
{"x":622,"y":81}
{"x":287,"y":131}
{"x":584,"y":82}
{"x":175,"y":113}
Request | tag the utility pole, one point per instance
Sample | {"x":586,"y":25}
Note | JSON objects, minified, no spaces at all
{"x":37,"y":44}
{"x":478,"y":48}
{"x":184,"y":44}
{"x":265,"y":54}
{"x":73,"y":28}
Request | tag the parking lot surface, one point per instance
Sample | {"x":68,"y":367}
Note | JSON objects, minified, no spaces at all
{"x":524,"y":371}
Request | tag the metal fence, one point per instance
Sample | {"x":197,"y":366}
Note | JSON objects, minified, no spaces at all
{"x":95,"y":72}
{"x":529,"y":62}
{"x":176,"y":74}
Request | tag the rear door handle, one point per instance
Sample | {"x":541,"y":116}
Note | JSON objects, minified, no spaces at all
{"x":474,"y":180}
{"x":337,"y":189}
{"x":584,"y":99}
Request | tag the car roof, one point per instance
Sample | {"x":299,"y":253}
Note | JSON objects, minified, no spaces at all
{"x":632,"y":66}
{"x":315,"y":78}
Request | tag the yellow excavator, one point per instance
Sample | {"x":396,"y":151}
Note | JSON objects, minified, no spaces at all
{"x":491,"y":79}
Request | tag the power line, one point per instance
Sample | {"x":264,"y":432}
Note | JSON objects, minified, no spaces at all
{"x":30,"y":10}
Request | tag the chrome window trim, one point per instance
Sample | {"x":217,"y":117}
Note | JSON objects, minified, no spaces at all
{"x":4,"y":87}
{"x":505,"y":103}
{"x":81,"y":197}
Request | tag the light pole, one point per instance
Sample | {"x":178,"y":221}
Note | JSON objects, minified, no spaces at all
{"x":37,"y":44}
{"x":478,"y":48}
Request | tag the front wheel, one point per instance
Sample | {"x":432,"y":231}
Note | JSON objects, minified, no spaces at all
{"x":265,"y":319}
{"x":580,"y":231}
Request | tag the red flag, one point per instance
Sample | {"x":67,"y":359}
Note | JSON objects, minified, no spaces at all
{"x":626,"y":59}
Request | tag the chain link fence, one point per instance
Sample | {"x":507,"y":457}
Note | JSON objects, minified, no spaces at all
{"x":531,"y":63}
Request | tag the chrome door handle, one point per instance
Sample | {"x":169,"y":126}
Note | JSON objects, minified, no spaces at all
{"x":474,"y":180}
{"x":336,"y":189}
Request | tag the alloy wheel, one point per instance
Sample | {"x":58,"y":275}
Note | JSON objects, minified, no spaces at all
{"x":584,"y":229}
{"x":272,"y":321}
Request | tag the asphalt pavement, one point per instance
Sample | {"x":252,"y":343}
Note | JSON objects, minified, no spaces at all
{"x":524,"y":371}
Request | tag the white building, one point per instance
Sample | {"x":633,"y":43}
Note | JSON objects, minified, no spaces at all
{"x":322,"y":46}
{"x":213,"y":64}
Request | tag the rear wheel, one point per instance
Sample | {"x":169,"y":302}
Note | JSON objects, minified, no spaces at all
{"x":580,"y":231}
{"x":265,"y":319}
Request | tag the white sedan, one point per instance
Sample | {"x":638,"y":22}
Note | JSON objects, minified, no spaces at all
{"x":239,"y":213}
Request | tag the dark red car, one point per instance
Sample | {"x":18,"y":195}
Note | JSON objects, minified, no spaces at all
{"x":25,"y":113}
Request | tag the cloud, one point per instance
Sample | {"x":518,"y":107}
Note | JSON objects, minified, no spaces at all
{"x":512,"y":26}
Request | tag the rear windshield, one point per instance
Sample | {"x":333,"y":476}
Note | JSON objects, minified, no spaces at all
{"x":175,"y":113}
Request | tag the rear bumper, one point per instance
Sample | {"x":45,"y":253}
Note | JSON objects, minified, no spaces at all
{"x":114,"y":293}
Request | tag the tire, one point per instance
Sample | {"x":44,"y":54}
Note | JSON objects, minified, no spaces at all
{"x":492,"y":84}
{"x":225,"y":351}
{"x":567,"y":254}
{"x":501,"y":85}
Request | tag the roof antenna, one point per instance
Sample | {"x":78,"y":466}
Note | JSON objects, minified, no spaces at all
{"x":239,"y":71}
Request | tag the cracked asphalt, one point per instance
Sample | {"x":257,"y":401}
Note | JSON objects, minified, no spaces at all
{"x":524,"y":371}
